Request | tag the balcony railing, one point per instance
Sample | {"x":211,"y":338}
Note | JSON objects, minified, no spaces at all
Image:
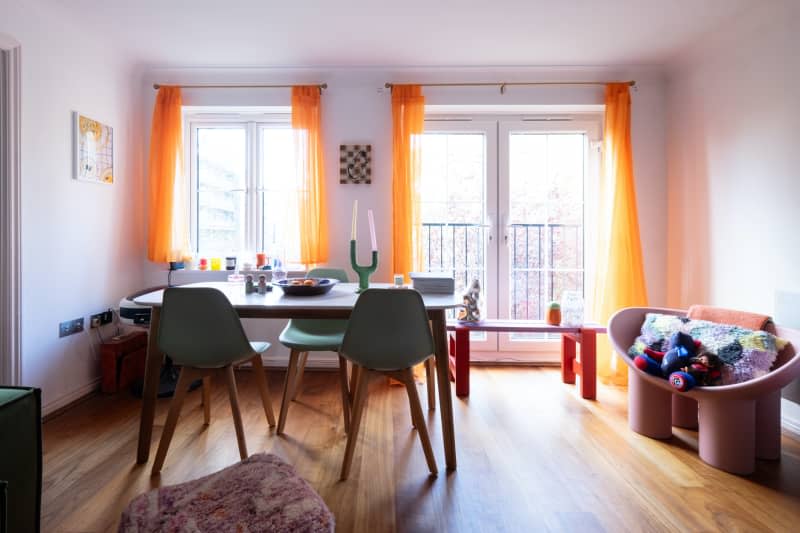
{"x":546,"y":259}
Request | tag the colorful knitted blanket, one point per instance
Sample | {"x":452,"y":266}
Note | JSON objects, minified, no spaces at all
{"x":745,"y":354}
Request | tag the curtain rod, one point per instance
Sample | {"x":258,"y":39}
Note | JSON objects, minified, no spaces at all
{"x":236,"y":86}
{"x":504,"y":84}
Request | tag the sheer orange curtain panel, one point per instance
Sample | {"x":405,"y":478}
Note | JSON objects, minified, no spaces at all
{"x":166,"y":240}
{"x":313,"y":212}
{"x":408,"y":125}
{"x":619,"y":280}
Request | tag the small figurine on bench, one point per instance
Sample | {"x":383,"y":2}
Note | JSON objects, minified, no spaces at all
{"x":471,"y":311}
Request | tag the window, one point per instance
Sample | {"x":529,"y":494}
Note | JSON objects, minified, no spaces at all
{"x":502,"y":200}
{"x":243,"y":184}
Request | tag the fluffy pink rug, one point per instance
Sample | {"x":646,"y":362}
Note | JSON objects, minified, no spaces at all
{"x":262,"y":493}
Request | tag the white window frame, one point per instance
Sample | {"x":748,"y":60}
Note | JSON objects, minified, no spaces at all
{"x":499,"y":347}
{"x":547,"y":350}
{"x":253,"y":122}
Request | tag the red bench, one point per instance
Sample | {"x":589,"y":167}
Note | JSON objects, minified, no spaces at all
{"x":585,"y":335}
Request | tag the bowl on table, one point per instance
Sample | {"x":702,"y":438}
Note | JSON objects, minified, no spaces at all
{"x":306,"y":286}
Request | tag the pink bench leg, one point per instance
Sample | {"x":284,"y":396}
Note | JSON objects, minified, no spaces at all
{"x":462,"y":362}
{"x":684,"y":412}
{"x":588,"y":364}
{"x":727,"y":434}
{"x":649,"y":408}
{"x":768,"y":426}
{"x":567,"y":358}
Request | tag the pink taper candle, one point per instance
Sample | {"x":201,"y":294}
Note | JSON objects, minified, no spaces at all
{"x":372,"y":230}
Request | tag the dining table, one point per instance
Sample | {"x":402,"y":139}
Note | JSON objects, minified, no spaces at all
{"x":336,"y":304}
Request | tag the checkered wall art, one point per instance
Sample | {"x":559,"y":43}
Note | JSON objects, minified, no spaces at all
{"x":355,"y":163}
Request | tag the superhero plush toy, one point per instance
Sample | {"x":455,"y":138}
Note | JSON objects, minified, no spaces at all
{"x":683,"y":363}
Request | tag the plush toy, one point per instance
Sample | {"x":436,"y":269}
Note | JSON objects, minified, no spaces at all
{"x":682,"y":381}
{"x":647,"y":364}
{"x":703,"y":370}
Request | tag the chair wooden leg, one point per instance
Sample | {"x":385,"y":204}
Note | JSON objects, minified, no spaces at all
{"x":430,"y":380}
{"x":206,"y":400}
{"x":301,"y":368}
{"x":345,"y":392}
{"x":263,"y":388}
{"x":355,"y":421}
{"x":186,"y":377}
{"x":355,"y":373}
{"x":237,"y":414}
{"x":288,"y":384}
{"x":407,"y":377}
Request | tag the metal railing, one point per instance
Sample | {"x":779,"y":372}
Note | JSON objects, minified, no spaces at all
{"x":546,"y":259}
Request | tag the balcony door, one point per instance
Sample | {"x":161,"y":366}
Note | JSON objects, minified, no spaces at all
{"x":505,"y":201}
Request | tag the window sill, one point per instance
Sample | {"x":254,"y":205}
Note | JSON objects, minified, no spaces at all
{"x":181,"y":277}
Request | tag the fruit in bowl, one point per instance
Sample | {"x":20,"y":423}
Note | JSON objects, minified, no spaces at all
{"x":306,"y":286}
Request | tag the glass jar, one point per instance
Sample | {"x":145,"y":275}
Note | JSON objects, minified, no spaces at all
{"x":571,"y":309}
{"x":278,"y":273}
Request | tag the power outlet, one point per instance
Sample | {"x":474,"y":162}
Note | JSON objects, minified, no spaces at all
{"x":70,"y":327}
{"x":101,"y":319}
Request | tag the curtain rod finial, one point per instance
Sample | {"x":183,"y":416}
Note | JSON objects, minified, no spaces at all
{"x":156,"y":86}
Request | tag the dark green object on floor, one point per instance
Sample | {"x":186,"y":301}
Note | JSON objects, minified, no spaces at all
{"x":20,"y":459}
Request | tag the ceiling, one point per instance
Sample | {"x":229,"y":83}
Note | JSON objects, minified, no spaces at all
{"x":350,"y":33}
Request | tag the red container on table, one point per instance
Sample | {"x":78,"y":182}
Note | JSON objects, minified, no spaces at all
{"x":261,"y":259}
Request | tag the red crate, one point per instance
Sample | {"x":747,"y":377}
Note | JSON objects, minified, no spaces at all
{"x":122,"y":361}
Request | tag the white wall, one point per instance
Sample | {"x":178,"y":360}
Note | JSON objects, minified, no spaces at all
{"x":734,"y":164}
{"x":356,"y":109}
{"x":82,"y":243}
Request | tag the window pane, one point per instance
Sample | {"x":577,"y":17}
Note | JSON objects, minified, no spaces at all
{"x":546,"y":203}
{"x":278,"y":195}
{"x":221,"y":222}
{"x":452,"y":195}
{"x":221,"y":162}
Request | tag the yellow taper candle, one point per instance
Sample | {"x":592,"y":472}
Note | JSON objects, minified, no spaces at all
{"x":353,"y":224}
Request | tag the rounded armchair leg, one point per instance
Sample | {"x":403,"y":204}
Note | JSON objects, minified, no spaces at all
{"x":649,"y":408}
{"x":684,"y":412}
{"x":727,"y":434}
{"x":768,"y":426}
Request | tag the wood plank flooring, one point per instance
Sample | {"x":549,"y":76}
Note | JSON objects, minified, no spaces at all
{"x":532,"y":456}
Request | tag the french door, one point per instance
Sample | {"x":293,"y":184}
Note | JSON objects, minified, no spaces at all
{"x":504,"y":201}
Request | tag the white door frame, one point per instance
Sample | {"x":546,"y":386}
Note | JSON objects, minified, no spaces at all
{"x":486,"y":342}
{"x":543,"y":351}
{"x":10,"y":223}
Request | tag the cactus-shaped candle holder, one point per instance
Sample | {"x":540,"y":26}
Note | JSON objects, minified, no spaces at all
{"x":363,"y":272}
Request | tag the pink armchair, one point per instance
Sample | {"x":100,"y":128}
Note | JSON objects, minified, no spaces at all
{"x":736,"y":423}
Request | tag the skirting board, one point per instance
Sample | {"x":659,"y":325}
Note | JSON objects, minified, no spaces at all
{"x":790,"y":417}
{"x":73,"y":397}
{"x":323,"y":360}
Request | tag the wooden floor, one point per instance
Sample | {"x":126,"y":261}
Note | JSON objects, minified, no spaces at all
{"x":532,"y":456}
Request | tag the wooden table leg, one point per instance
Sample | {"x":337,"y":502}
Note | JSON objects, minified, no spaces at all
{"x":462,"y":362}
{"x":152,"y":372}
{"x":567,"y":357}
{"x":588,"y":364}
{"x":439,"y":324}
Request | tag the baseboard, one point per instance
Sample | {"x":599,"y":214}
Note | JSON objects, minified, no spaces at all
{"x":56,"y":407}
{"x":790,"y":417}
{"x":322,"y":361}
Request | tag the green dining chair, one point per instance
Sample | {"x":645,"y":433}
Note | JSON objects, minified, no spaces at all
{"x":201,"y":332}
{"x":302,"y":336}
{"x":388,"y":333}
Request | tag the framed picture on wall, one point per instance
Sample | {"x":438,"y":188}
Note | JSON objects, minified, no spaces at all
{"x":93,"y":150}
{"x":355,"y":163}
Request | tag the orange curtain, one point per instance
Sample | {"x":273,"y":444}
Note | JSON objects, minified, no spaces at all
{"x":312,"y":206}
{"x":168,"y":226}
{"x":619,"y":280}
{"x":408,"y":125}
